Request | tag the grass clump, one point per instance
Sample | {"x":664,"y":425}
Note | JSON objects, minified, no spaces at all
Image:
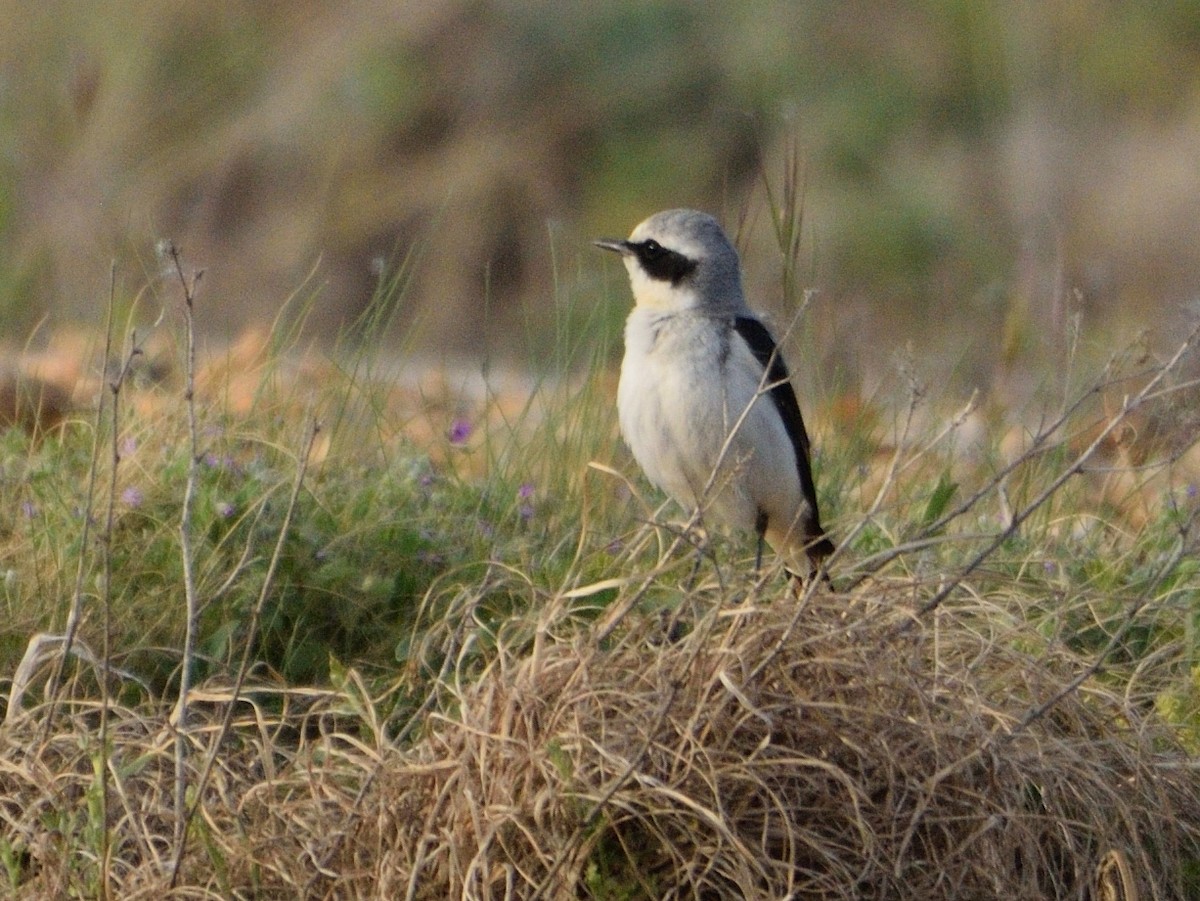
{"x":812,"y":751}
{"x":823,"y":748}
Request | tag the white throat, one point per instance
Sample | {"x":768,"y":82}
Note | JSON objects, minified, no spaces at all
{"x":657,"y":294}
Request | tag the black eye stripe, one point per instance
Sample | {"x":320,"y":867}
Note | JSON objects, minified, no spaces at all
{"x":661,"y":263}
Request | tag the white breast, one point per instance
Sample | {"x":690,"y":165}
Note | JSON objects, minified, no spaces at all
{"x":687,"y":381}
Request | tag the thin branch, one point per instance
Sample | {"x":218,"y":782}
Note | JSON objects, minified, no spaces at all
{"x":1075,"y":466}
{"x":186,"y":550}
{"x":314,"y":428}
{"x":114,"y":388}
{"x":889,"y":479}
{"x":1127,"y":623}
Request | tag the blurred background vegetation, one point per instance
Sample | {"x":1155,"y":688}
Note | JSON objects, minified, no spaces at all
{"x":977,"y":172}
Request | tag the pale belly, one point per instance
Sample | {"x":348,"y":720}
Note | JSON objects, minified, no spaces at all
{"x":690,"y":410}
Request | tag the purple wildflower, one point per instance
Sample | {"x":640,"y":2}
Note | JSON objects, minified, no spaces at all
{"x":28,"y":509}
{"x":225,"y":463}
{"x":132,"y":497}
{"x":225,"y":509}
{"x":460,"y":431}
{"x":525,"y":510}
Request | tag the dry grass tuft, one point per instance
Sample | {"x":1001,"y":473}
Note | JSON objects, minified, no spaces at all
{"x":831,"y":747}
{"x":817,"y":752}
{"x":276,"y":769}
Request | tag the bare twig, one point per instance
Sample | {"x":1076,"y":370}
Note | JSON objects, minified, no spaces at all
{"x":1127,"y":622}
{"x":114,"y":388}
{"x":185,"y":541}
{"x":313,"y":429}
{"x":889,"y":479}
{"x":1074,"y":467}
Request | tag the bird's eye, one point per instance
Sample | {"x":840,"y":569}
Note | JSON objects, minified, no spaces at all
{"x":652,"y":250}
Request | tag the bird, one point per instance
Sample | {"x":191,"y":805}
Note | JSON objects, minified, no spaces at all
{"x":704,"y":400}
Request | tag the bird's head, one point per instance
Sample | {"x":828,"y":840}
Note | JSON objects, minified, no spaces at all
{"x":681,"y":260}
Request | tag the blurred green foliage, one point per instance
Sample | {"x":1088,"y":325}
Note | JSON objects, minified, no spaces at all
{"x":967,"y":163}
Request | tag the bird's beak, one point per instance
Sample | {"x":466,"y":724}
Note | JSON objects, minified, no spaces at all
{"x":624,"y":248}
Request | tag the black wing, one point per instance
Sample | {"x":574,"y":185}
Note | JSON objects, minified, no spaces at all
{"x":762,"y":345}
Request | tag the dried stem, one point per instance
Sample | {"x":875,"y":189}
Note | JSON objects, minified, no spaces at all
{"x":313,"y":430}
{"x":186,"y":549}
{"x":75,"y":615}
{"x":114,"y":388}
{"x":1075,"y":466}
{"x":1127,"y":622}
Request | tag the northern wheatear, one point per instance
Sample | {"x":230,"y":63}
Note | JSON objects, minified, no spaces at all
{"x":704,"y":401}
